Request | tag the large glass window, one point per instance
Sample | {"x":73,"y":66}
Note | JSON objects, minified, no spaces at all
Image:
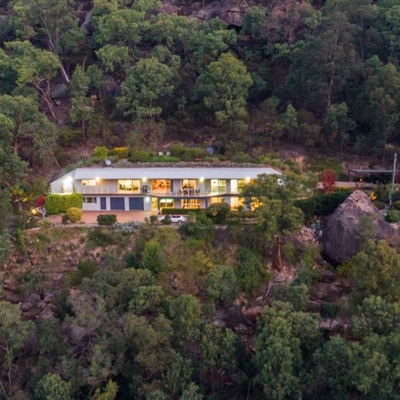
{"x":129,"y":185}
{"x":188,"y":183}
{"x":191,"y":203}
{"x":166,"y":203}
{"x":161,"y":185}
{"x":88,"y":182}
{"x":218,"y":185}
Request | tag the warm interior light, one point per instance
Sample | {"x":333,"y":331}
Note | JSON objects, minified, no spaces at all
{"x":247,"y":180}
{"x":97,"y":179}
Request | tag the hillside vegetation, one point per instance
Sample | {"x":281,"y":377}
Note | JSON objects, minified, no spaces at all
{"x":244,"y":310}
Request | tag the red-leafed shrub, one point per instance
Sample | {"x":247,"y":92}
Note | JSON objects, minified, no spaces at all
{"x":328,"y":180}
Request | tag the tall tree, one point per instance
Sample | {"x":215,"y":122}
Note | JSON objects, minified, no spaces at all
{"x":33,"y":67}
{"x":51,"y":21}
{"x":223,"y":87}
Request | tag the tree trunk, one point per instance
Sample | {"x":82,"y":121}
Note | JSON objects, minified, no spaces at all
{"x":64,"y":74}
{"x":278,"y":253}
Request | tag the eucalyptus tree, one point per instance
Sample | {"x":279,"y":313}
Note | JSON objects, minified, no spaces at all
{"x":52,"y":22}
{"x":34,"y":68}
{"x":223,"y":87}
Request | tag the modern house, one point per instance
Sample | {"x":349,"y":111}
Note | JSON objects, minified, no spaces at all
{"x":151,"y":187}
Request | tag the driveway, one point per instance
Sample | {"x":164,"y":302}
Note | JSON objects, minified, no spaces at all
{"x":90,"y":217}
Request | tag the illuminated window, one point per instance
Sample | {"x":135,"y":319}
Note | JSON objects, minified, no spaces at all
{"x":161,"y":185}
{"x":90,"y":200}
{"x":191,"y":203}
{"x":88,"y":182}
{"x":218,"y":185}
{"x":188,"y":183}
{"x":214,"y":200}
{"x":166,"y":203}
{"x":129,"y":185}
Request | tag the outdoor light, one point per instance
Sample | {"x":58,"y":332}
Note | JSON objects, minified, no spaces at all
{"x":68,"y":180}
{"x":144,"y":179}
{"x":201,"y":179}
{"x":147,"y":199}
{"x":97,"y":179}
{"x":247,"y":179}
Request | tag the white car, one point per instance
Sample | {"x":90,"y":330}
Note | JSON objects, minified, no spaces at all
{"x":179,"y":219}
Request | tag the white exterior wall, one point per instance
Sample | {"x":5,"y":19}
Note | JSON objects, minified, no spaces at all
{"x":92,"y":206}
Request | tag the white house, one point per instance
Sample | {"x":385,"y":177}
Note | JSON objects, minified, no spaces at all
{"x":149,"y":187}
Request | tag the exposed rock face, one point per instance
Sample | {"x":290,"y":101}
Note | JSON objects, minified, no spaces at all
{"x":343,"y":233}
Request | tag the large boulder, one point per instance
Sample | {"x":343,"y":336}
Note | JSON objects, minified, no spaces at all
{"x":343,"y":234}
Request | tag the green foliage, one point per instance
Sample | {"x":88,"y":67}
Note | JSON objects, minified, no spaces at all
{"x":106,"y":219}
{"x":5,"y":247}
{"x":392,"y":216}
{"x":396,"y":205}
{"x":74,"y":214}
{"x":218,"y":212}
{"x":56,"y":203}
{"x":85,"y":269}
{"x":108,"y":393}
{"x":152,"y":257}
{"x":139,"y":156}
{"x":250,"y":272}
{"x":52,"y":386}
{"x":379,"y":205}
{"x":101,"y":237}
{"x":375,"y":271}
{"x":321,"y":205}
{"x":167,"y":220}
{"x":223,"y":87}
{"x":253,"y":21}
{"x":221,"y":285}
{"x":120,"y":152}
{"x":276,"y":214}
{"x":179,"y":211}
{"x":100,"y":152}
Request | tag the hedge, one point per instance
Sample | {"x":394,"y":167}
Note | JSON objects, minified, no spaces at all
{"x":321,"y":205}
{"x":106,"y":219}
{"x":57,"y":203}
{"x":171,"y":211}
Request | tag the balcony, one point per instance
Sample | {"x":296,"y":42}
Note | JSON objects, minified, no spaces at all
{"x":107,"y":190}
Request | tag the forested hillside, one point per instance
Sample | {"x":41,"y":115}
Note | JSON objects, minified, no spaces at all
{"x":204,"y":311}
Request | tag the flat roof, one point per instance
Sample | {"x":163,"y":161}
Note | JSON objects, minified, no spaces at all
{"x":173,"y":173}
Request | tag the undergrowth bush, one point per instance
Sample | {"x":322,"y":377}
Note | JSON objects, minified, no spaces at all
{"x":106,"y":219}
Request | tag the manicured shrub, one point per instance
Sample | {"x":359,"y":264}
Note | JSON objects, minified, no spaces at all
{"x":106,"y":219}
{"x":56,"y":203}
{"x":173,"y":211}
{"x":65,"y":219}
{"x":74,"y":214}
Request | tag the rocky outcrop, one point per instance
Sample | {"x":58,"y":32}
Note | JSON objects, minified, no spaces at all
{"x":343,"y":233}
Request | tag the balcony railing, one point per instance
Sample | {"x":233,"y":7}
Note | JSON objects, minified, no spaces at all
{"x":155,"y":193}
